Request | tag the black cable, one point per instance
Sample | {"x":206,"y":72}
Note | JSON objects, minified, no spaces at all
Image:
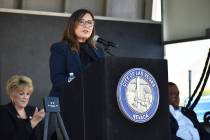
{"x":200,"y":81}
{"x":201,"y":91}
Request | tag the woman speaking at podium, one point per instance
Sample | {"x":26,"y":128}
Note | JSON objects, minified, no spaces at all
{"x":75,"y":52}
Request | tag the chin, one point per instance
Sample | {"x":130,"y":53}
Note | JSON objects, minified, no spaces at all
{"x":23,"y":105}
{"x":86,"y":37}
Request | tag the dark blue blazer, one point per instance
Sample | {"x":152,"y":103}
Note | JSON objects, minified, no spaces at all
{"x":64,"y":61}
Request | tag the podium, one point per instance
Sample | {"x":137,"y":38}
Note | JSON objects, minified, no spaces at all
{"x":90,"y":106}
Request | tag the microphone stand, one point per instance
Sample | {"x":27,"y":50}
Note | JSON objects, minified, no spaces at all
{"x":107,"y":50}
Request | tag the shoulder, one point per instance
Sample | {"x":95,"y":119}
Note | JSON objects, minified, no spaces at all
{"x":59,"y":46}
{"x":2,"y":108}
{"x":190,"y":114}
{"x":100,"y":51}
{"x":187,"y":111}
{"x":6,"y":107}
{"x":5,"y":110}
{"x":98,"y":48}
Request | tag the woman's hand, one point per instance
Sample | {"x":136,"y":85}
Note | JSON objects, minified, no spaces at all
{"x":37,"y":117}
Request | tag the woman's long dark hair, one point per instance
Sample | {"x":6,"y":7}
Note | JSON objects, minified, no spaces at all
{"x":69,"y":32}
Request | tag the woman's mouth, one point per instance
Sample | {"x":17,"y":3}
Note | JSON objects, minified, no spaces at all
{"x":85,"y":31}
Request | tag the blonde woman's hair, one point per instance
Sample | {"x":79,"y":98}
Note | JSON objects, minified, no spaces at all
{"x":19,"y":82}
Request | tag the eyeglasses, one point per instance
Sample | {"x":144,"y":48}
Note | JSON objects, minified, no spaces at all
{"x":88,"y":23}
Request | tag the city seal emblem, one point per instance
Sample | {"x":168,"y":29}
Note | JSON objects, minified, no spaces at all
{"x":138,"y":95}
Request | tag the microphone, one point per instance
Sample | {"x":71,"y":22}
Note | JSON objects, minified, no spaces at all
{"x":96,"y":38}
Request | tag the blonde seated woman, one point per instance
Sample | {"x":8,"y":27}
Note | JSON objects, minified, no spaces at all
{"x":18,"y":120}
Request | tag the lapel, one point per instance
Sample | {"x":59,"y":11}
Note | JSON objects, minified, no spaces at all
{"x":11,"y":108}
{"x":92,"y":53}
{"x":78,"y":61}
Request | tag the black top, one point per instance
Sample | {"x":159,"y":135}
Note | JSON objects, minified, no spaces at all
{"x":85,"y":58}
{"x":14,"y":128}
{"x":63,"y":61}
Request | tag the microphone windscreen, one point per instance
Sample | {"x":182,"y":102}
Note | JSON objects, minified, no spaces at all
{"x":95,"y":38}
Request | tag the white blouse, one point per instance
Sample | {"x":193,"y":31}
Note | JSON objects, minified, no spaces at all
{"x":186,"y":129}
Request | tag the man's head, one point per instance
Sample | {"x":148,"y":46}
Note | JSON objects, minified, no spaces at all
{"x":173,"y":94}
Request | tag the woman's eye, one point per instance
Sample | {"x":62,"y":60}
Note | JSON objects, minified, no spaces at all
{"x":24,"y":94}
{"x":21,"y":93}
